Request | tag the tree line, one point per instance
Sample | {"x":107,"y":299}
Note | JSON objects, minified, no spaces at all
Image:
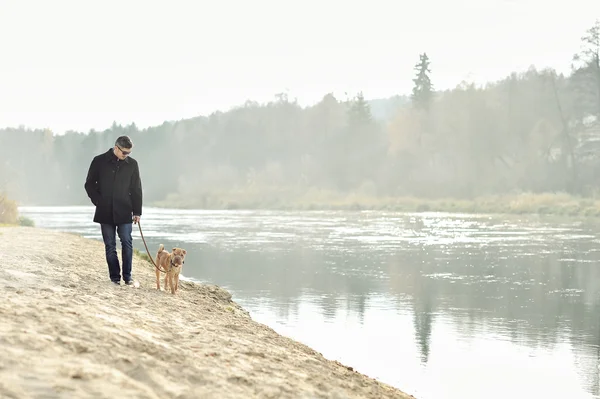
{"x":533,"y":131}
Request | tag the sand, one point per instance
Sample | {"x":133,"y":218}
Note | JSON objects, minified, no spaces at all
{"x":68,"y":332}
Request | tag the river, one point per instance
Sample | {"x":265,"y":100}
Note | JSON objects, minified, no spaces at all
{"x":442,"y":306}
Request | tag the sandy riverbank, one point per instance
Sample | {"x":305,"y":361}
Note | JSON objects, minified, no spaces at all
{"x":67,"y":332}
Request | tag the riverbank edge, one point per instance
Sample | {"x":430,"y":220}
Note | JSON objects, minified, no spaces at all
{"x":220,"y":300}
{"x":523,"y":204}
{"x":542,"y":204}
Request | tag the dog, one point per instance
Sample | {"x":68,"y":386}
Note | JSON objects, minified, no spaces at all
{"x":171,"y":263}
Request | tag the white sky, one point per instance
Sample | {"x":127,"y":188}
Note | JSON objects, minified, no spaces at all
{"x":76,"y":64}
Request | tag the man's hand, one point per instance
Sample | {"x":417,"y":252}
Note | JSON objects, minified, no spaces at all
{"x":136,"y":219}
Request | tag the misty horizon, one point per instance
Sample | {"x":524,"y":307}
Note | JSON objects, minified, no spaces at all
{"x":71,"y":67}
{"x":523,"y":129}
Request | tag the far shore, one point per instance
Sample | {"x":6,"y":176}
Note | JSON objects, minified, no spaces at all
{"x":540,"y":204}
{"x":68,"y":332}
{"x":551,"y":204}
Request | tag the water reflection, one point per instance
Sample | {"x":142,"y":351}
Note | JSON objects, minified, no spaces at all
{"x":457,"y":306}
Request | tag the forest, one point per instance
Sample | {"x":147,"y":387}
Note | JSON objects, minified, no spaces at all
{"x":533,"y":135}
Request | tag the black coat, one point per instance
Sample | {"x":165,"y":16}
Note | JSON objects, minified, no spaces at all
{"x":115,"y":187}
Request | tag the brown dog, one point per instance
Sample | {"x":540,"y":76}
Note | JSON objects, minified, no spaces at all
{"x":171,"y":263}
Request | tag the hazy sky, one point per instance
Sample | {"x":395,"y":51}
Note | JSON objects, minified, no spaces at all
{"x":76,"y":64}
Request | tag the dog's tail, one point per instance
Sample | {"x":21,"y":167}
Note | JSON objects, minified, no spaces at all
{"x":160,"y":249}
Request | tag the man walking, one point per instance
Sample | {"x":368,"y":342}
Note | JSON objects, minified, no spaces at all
{"x":114,"y":186}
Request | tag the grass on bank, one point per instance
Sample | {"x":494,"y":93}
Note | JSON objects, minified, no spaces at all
{"x":560,"y":204}
{"x":142,"y":255}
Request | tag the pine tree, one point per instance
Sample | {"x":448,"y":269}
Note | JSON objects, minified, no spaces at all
{"x":586,"y":73}
{"x":359,"y":113}
{"x":423,"y":89}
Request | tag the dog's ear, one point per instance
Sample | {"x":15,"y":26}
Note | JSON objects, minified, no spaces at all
{"x":174,"y":248}
{"x":183,"y":251}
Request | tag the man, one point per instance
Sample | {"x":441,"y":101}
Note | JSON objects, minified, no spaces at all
{"x":114,"y":186}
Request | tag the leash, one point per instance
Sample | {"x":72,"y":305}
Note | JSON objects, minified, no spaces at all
{"x":147,"y":251}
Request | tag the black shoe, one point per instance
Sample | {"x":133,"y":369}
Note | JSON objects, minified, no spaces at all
{"x":116,"y":282}
{"x":129,"y":282}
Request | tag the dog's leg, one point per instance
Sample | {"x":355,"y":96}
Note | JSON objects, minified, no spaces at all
{"x":172,"y":281}
{"x":177,"y":281}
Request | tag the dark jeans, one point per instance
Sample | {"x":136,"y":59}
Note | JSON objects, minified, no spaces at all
{"x":110,"y":244}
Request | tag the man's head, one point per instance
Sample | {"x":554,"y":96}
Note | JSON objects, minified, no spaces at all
{"x":123,"y":146}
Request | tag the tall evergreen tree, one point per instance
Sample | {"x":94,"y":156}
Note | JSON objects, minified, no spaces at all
{"x":423,"y":89}
{"x":587,"y":71}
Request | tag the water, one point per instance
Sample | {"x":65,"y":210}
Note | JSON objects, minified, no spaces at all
{"x":439,"y":305}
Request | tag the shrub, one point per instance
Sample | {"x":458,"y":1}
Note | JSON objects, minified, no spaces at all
{"x":25,"y":221}
{"x":8,"y":211}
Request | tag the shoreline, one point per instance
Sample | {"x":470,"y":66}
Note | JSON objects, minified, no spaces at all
{"x":548,"y":204}
{"x":541,"y":204}
{"x":67,"y":331}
